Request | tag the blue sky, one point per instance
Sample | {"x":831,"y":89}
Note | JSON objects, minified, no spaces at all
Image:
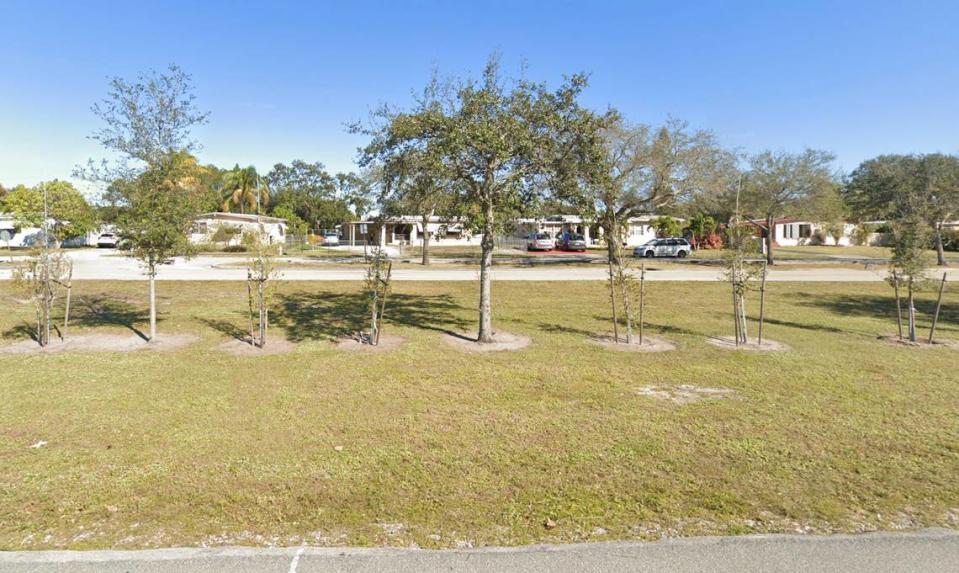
{"x":282,"y":78}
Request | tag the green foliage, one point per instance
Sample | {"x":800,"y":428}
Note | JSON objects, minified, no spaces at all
{"x":891,"y":186}
{"x":243,"y":188}
{"x":68,"y":211}
{"x":224,"y":233}
{"x":163,"y":204}
{"x":667,"y":226}
{"x":316,"y":197}
{"x":294,"y":223}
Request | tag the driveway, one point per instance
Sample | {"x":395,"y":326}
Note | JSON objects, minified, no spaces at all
{"x":933,"y":550}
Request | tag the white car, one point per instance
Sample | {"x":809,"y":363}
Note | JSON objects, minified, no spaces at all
{"x":107,"y":241}
{"x":539,"y":242}
{"x":330,"y":239}
{"x":669,"y":247}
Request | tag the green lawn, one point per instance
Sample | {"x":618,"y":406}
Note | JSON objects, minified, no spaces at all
{"x":433,"y":446}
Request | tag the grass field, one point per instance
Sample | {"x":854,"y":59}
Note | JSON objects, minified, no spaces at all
{"x":429,"y":445}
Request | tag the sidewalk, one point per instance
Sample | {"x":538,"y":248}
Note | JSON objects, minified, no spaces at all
{"x":931,"y":550}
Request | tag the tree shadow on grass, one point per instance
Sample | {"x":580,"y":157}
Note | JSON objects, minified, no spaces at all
{"x":328,"y":316}
{"x":226,"y":327}
{"x":93,"y":311}
{"x":879,"y":307}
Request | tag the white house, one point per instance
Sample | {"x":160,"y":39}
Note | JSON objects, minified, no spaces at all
{"x":789,"y":232}
{"x":407,"y":230}
{"x":639,"y":230}
{"x":18,"y":237}
{"x":232,"y":227}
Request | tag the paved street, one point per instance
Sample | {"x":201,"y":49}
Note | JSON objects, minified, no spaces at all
{"x":106,"y":265}
{"x":933,"y":550}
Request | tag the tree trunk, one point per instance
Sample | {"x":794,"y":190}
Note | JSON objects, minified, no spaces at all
{"x":770,"y":232}
{"x":249,"y":299}
{"x":935,"y":316}
{"x":627,"y":303}
{"x":762,"y":307}
{"x":153,"y":304}
{"x":912,"y":312}
{"x":895,"y":284}
{"x":940,"y":250}
{"x":426,"y":240}
{"x":611,"y":260}
{"x":262,"y":301}
{"x":742,"y":319}
{"x":642,"y":301}
{"x":486,"y":269}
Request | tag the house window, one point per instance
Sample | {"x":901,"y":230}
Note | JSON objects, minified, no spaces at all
{"x":805,"y":231}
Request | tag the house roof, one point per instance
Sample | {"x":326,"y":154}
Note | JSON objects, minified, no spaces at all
{"x":242,"y":218}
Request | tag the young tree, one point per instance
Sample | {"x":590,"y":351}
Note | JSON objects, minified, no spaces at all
{"x":162,"y":203}
{"x":378,"y":283}
{"x":909,"y":265}
{"x":779,"y":183}
{"x":629,"y":170}
{"x":499,"y":143}
{"x":261,"y":275}
{"x":741,"y":271}
{"x":45,"y":278}
{"x":148,"y":123}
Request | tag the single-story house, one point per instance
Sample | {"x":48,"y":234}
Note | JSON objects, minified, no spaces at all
{"x":639,"y":230}
{"x":228,"y":228}
{"x":792,"y":232}
{"x":407,"y":230}
{"x":18,"y":236}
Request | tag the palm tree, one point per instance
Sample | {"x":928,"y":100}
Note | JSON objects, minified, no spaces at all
{"x":243,"y":187}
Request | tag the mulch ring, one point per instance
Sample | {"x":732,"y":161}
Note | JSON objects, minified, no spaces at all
{"x":922,"y":342}
{"x":685,"y":393}
{"x":101,"y":343}
{"x":360,"y":343}
{"x":650,"y":343}
{"x":242,"y":347}
{"x":502,"y":342}
{"x":729,"y":343}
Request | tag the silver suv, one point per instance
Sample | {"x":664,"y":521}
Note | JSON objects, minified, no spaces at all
{"x":671,"y":247}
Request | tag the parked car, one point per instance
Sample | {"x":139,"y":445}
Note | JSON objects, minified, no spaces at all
{"x":670,"y":247}
{"x":330,"y":239}
{"x":571,"y":242}
{"x":107,"y":241}
{"x":539,"y":242}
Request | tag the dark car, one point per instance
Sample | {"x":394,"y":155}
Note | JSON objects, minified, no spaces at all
{"x":571,"y":242}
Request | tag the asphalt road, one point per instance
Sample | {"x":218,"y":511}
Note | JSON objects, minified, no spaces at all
{"x":106,"y":265}
{"x":932,"y":550}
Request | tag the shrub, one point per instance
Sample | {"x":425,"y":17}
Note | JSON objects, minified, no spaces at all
{"x":711,"y":241}
{"x":950,"y":240}
{"x":235,"y":249}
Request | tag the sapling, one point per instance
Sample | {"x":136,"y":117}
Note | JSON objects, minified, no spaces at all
{"x":378,"y":283}
{"x":261,"y":275}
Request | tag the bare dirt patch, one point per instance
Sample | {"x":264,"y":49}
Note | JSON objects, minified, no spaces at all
{"x":502,"y":341}
{"x":894,"y":340}
{"x":242,"y":347}
{"x":358,"y":343}
{"x":729,"y":343}
{"x":685,"y":393}
{"x":102,"y":343}
{"x":650,"y":343}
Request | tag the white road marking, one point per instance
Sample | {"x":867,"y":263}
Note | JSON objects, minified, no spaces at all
{"x":296,"y":560}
